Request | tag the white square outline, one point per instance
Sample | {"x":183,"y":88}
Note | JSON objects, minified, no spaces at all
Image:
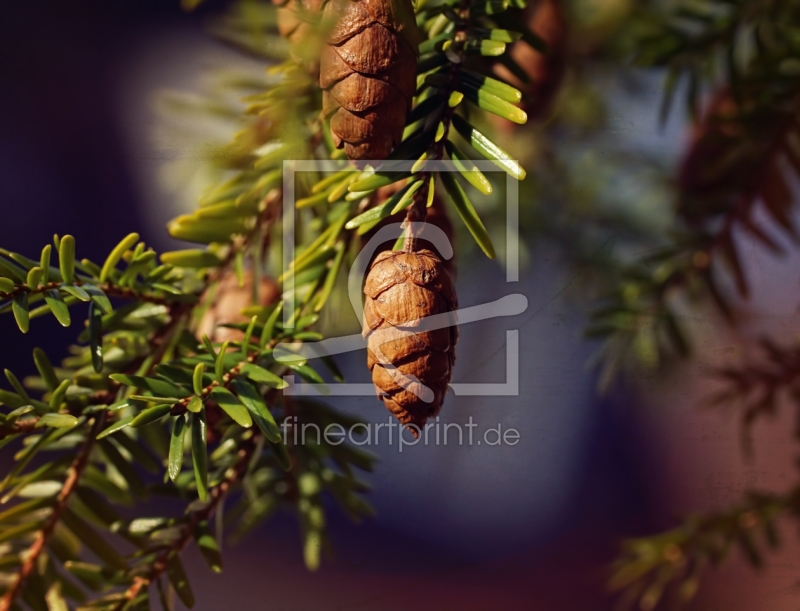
{"x":291,"y":167}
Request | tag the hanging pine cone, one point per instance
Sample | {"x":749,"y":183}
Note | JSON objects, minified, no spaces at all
{"x":410,"y":370}
{"x":298,"y":22}
{"x":546,"y":19}
{"x":296,"y":18}
{"x":368,"y":73}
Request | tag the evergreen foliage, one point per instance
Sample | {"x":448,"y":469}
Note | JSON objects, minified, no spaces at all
{"x":143,"y":407}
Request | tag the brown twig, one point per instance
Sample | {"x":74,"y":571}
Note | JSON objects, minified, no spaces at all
{"x":109,"y":289}
{"x":756,"y":386}
{"x":42,"y":536}
{"x":417,"y":213}
{"x":216,"y":495}
{"x":24,"y":426}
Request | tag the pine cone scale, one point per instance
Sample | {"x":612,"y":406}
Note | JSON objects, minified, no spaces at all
{"x":372,"y":318}
{"x":401,"y":345}
{"x":353,"y":19}
{"x":398,"y":16}
{"x":382,"y":277}
{"x":437,"y":370}
{"x":401,"y":75}
{"x":371,"y":52}
{"x":406,"y":304}
{"x":361,"y":93}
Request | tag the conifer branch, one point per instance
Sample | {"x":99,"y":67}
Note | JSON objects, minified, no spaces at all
{"x":667,"y":567}
{"x":734,"y":162}
{"x":218,"y":395}
{"x":71,"y":481}
{"x":17,"y":427}
{"x":215,"y":496}
{"x":109,"y":289}
{"x":756,"y":385}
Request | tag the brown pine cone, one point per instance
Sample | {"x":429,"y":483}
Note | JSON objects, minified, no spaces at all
{"x":298,"y":22}
{"x":713,"y":136}
{"x":410,"y":370}
{"x":546,"y":70}
{"x":229,"y":302}
{"x":368,"y":74}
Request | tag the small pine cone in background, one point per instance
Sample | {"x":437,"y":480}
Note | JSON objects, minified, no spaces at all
{"x":298,"y":22}
{"x":229,"y":301}
{"x":410,"y":370}
{"x":546,"y":19}
{"x":368,"y":73}
{"x":713,"y":137}
{"x":437,"y":216}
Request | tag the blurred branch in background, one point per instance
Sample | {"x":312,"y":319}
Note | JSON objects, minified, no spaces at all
{"x":756,"y":387}
{"x":736,"y":67}
{"x":738,"y":62}
{"x":667,"y":568}
{"x":743,"y":152}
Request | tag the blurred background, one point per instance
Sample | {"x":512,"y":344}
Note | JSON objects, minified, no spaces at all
{"x":85,"y":150}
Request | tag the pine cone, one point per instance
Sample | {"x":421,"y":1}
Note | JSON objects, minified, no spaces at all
{"x":368,"y":74}
{"x":546,"y":70}
{"x":298,"y":22}
{"x":410,"y":370}
{"x":713,"y":136}
{"x":229,"y":302}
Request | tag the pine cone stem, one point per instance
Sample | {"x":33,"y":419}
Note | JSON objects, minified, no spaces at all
{"x":415,"y":217}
